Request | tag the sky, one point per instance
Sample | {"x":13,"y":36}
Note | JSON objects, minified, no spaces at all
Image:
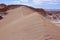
{"x":45,"y":4}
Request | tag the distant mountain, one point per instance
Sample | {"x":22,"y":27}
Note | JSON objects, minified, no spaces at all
{"x":52,"y":9}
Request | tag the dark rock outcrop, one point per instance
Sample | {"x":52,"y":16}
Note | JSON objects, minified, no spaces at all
{"x":41,"y":11}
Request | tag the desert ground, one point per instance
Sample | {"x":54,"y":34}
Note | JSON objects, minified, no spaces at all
{"x":24,"y":23}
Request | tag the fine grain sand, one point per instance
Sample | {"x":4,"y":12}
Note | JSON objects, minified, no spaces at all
{"x":27,"y":27}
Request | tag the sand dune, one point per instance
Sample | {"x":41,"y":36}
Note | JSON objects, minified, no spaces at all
{"x":16,"y":14}
{"x":27,"y":25}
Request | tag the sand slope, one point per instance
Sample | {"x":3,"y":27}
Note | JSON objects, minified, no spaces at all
{"x":30,"y":27}
{"x":16,"y":14}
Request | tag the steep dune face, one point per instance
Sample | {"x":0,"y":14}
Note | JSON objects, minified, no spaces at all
{"x":30,"y":27}
{"x":16,"y":14}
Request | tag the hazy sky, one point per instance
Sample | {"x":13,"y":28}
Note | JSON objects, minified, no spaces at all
{"x":46,"y":4}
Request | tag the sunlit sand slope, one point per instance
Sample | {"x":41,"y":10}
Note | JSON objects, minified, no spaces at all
{"x":30,"y":27}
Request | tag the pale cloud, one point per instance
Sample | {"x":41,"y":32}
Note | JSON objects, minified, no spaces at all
{"x":46,"y":1}
{"x":24,"y":0}
{"x":37,"y":1}
{"x":19,"y":2}
{"x":16,"y":2}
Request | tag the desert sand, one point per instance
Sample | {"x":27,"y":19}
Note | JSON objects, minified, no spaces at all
{"x":16,"y":14}
{"x":27,"y":25}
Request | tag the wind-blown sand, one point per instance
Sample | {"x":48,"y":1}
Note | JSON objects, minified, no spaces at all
{"x":30,"y":27}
